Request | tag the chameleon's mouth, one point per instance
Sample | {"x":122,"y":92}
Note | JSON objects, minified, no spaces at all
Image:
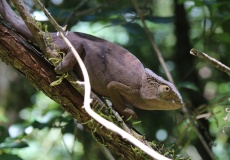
{"x":162,"y":104}
{"x":172,"y":105}
{"x":177,"y":102}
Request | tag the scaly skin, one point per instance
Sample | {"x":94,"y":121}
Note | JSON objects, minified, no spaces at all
{"x":116,"y":73}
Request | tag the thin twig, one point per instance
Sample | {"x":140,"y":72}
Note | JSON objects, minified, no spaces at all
{"x":217,"y":64}
{"x":106,"y":152}
{"x":185,"y":110}
{"x":87,"y":11}
{"x":155,"y":47}
{"x":161,"y":59}
{"x":227,"y":110}
{"x":74,"y":10}
{"x":87,"y":99}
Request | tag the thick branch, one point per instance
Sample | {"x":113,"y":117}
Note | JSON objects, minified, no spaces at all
{"x":40,"y":73}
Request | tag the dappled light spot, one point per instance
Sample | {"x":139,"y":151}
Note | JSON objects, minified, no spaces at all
{"x":205,"y":72}
{"x":161,"y":134}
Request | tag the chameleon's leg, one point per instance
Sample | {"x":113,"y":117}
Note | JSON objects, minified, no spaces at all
{"x":69,"y":61}
{"x":115,"y":89}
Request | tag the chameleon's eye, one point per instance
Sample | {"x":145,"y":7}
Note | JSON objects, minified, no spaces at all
{"x":164,"y":90}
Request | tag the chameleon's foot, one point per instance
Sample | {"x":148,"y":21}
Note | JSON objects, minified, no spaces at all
{"x":129,"y":114}
{"x":55,"y":61}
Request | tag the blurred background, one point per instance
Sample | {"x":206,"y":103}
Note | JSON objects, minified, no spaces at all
{"x":33,"y":127}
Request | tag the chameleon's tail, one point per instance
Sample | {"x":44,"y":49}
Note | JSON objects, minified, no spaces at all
{"x":18,"y":24}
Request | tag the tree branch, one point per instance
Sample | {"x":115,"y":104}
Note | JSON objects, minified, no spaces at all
{"x":155,"y":47}
{"x":87,"y":100}
{"x":215,"y":63}
{"x":40,"y":73}
{"x":161,"y":59}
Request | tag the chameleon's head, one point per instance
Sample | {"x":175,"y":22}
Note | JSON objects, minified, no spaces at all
{"x":159,"y":94}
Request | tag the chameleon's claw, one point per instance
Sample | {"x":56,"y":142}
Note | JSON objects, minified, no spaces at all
{"x":56,"y":61}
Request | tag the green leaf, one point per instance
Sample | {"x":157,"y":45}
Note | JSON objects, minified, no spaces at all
{"x":51,"y":116}
{"x":39,"y":125}
{"x":69,"y":127}
{"x":223,"y":37}
{"x":188,"y":85}
{"x":13,"y":143}
{"x":5,"y":156}
{"x":3,"y":118}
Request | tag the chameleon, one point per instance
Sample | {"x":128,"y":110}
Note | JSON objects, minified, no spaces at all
{"x":114,"y":72}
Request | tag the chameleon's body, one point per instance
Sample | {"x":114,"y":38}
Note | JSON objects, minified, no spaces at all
{"x":114,"y":72}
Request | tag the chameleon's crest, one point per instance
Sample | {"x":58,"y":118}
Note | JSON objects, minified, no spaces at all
{"x":155,"y":88}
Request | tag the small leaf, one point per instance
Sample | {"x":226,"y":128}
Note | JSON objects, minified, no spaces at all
{"x":13,"y":143}
{"x":50,"y":116}
{"x":39,"y":125}
{"x":68,"y":128}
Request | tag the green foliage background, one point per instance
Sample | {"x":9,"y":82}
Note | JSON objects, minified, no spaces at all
{"x":34,"y":127}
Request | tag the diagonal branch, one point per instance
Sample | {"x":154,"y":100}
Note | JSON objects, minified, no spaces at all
{"x":210,"y":60}
{"x":41,"y":74}
{"x":161,"y":59}
{"x":155,"y":47}
{"x":87,"y":100}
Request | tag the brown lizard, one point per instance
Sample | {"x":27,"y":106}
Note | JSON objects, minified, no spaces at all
{"x":114,"y":72}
